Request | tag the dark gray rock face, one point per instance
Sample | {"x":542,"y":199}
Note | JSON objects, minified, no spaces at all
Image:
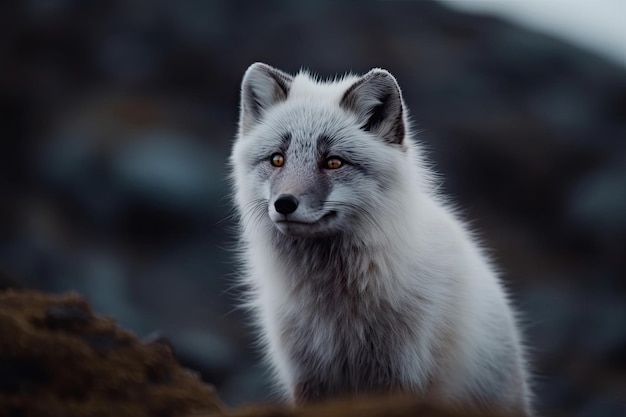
{"x":117,"y":119}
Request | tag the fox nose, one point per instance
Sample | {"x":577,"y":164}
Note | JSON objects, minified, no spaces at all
{"x":286,"y":204}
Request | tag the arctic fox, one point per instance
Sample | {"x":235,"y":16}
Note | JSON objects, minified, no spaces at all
{"x":361,"y":279}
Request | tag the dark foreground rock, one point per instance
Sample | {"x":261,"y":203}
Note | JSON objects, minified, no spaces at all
{"x":58,"y":359}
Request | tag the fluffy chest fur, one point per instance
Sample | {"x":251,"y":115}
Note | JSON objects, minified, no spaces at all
{"x":342,"y":319}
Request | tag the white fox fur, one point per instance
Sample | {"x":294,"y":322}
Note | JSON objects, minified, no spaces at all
{"x":371,"y":284}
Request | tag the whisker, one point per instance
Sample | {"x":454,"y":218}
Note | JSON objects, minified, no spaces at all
{"x":252,"y":213}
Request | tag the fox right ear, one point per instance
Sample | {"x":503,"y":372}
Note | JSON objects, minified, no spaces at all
{"x":262,"y":87}
{"x":377,"y":101}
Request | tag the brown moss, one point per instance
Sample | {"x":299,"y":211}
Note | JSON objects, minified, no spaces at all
{"x":58,"y":359}
{"x":364,"y":407}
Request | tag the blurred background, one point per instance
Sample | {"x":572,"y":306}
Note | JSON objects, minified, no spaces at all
{"x":117,"y":119}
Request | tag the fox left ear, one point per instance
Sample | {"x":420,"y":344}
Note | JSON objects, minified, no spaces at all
{"x":262,"y":87}
{"x":377,"y":101}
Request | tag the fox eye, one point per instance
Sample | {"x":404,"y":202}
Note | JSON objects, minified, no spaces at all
{"x":277,"y":160}
{"x":333,"y":163}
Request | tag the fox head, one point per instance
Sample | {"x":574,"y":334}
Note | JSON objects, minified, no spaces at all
{"x":318,"y":158}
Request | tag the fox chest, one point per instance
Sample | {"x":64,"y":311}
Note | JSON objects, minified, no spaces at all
{"x":337,"y":352}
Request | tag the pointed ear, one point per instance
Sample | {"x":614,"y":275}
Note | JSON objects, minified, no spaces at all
{"x":262,"y":87}
{"x":377,"y":101}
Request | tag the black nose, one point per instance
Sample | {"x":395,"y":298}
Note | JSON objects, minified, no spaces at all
{"x":286,"y":204}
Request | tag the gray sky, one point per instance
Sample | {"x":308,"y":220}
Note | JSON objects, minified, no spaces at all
{"x":599,"y":25}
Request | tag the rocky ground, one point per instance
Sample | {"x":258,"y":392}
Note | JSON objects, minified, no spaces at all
{"x":117,"y":118}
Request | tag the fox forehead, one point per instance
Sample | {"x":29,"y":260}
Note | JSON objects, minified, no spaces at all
{"x":305,"y":120}
{"x":304,"y":86}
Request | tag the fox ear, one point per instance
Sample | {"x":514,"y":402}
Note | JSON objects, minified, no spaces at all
{"x":262,"y":87}
{"x":377,"y":101}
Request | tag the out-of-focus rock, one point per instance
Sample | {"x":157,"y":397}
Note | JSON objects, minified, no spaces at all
{"x":58,"y":359}
{"x":6,"y":281}
{"x":598,"y":201}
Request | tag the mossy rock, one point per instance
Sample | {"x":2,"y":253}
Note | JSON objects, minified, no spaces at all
{"x":58,"y":359}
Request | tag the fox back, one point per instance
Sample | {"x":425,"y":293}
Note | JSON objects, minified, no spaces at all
{"x":360,"y":278}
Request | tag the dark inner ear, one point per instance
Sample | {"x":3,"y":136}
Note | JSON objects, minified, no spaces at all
{"x":282,"y":82}
{"x":256,"y":109}
{"x":378,"y":114}
{"x":280,"y":93}
{"x":262,"y":87}
{"x":399,"y":130}
{"x":377,"y":102}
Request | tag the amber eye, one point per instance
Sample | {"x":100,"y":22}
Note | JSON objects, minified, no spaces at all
{"x":333,"y":163}
{"x":277,"y":160}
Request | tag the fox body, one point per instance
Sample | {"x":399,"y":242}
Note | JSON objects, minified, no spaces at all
{"x":361,"y":279}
